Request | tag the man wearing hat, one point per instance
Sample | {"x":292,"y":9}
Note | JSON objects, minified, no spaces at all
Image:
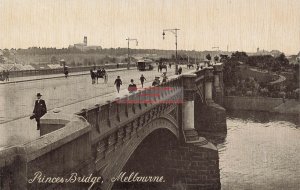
{"x":39,"y":110}
{"x":156,"y":81}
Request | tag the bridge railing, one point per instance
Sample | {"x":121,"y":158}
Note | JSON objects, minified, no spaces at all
{"x":37,"y":72}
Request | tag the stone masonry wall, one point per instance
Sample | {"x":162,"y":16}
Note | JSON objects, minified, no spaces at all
{"x":209,"y":118}
{"x":193,"y":167}
{"x":184,"y":166}
{"x":251,"y":103}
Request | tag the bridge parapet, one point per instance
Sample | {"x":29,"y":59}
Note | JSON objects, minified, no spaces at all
{"x":121,"y":111}
{"x":52,"y":154}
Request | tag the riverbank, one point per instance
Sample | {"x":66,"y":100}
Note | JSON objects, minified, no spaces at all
{"x":276,"y":105}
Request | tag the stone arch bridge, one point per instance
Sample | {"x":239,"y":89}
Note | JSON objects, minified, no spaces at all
{"x":103,"y":140}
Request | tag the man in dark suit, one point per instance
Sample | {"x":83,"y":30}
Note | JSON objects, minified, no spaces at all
{"x":39,"y":110}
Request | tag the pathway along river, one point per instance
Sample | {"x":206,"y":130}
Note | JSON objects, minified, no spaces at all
{"x":260,"y":151}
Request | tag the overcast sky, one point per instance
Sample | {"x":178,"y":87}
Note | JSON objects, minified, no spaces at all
{"x":240,"y":24}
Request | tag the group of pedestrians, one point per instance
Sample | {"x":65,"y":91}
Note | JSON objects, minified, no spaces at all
{"x":132,"y":87}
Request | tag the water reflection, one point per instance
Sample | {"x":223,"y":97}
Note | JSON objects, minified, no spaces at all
{"x":262,"y":117}
{"x":260,"y":151}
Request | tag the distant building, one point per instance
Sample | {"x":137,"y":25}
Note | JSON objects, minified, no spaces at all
{"x":84,"y":47}
{"x":274,"y":53}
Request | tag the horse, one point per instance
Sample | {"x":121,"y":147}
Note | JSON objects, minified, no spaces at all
{"x":102,"y":74}
{"x":162,"y":66}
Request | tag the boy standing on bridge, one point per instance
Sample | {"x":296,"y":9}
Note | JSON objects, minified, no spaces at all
{"x":118,"y":83}
{"x":132,"y":87}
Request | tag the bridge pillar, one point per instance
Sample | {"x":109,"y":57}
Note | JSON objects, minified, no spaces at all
{"x":208,"y":84}
{"x":208,"y":91}
{"x":211,"y":117}
{"x":188,"y":107}
{"x":218,"y":84}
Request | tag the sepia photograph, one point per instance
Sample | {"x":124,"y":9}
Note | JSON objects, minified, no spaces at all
{"x":149,"y":95}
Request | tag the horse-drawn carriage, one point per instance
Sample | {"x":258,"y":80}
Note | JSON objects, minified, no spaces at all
{"x":101,"y":73}
{"x":162,"y":66}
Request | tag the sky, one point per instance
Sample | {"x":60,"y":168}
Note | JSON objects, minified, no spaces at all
{"x":242,"y":25}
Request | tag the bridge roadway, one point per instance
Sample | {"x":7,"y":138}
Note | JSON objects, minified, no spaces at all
{"x":66,"y":94}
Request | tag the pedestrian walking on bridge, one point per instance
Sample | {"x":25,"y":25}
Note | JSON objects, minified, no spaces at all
{"x":118,"y":83}
{"x":142,"y":79}
{"x":39,"y":110}
{"x":179,"y":70}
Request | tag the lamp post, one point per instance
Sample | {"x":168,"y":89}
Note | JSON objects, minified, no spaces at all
{"x":136,"y":41}
{"x":174,"y":31}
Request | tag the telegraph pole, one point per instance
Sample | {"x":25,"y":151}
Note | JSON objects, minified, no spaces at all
{"x":174,"y":31}
{"x":130,"y":39}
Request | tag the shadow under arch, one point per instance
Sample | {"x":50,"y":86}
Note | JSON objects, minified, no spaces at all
{"x":149,"y":160}
{"x":117,"y":160}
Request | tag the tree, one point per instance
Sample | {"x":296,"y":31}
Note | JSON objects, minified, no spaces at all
{"x":282,"y":60}
{"x":73,"y":63}
{"x":239,"y":56}
{"x":85,"y":62}
{"x":2,"y":59}
{"x":223,"y":57}
{"x":216,"y":58}
{"x":296,"y":73}
{"x":54,"y":60}
{"x":208,"y":57}
{"x":173,"y":57}
{"x":231,"y":72}
{"x":6,"y":53}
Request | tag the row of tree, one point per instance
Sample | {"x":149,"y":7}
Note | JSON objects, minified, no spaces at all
{"x":73,"y":50}
{"x":233,"y":74}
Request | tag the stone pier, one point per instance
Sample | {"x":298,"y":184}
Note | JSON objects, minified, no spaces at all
{"x":210,"y":116}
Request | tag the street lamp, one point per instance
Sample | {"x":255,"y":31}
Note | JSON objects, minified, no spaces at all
{"x":174,"y":31}
{"x":136,"y":41}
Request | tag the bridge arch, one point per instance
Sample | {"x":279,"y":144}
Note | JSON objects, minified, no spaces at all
{"x":117,"y":161}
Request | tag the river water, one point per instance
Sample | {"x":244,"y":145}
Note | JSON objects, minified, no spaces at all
{"x":260,"y":151}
